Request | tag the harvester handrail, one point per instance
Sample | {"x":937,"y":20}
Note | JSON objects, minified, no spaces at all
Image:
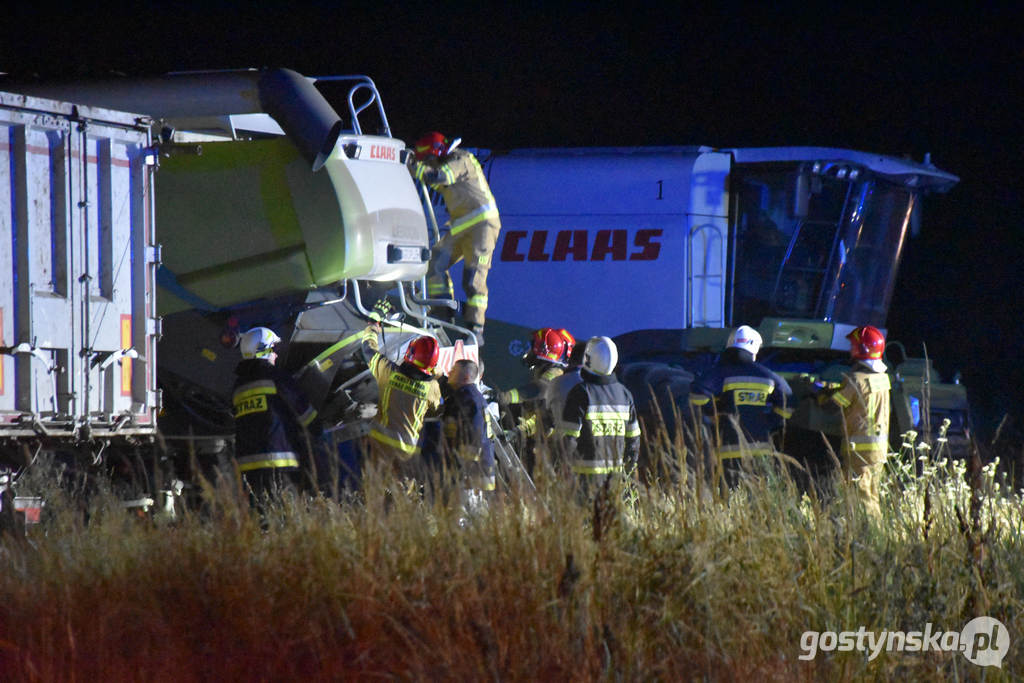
{"x":355,"y":110}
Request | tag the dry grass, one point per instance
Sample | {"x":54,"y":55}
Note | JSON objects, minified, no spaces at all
{"x":675,"y":585}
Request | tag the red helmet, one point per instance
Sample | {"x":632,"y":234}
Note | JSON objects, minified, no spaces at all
{"x":432,"y":144}
{"x":866,"y":343}
{"x":570,"y":344}
{"x":423,"y":352}
{"x":548,"y":344}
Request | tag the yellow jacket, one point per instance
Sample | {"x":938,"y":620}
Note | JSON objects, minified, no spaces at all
{"x":863,"y":397}
{"x":405,"y":400}
{"x":463,"y":185}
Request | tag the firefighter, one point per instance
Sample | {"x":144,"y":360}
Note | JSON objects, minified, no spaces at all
{"x":863,"y":400}
{"x":276,"y":429}
{"x":603,"y":436}
{"x":408,"y":393}
{"x":546,"y":362}
{"x":557,"y":391}
{"x":466,"y":432}
{"x":473,"y":223}
{"x":744,"y":400}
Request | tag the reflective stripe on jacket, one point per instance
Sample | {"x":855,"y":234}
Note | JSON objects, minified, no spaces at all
{"x":261,"y":461}
{"x":406,"y":396}
{"x":273,"y":418}
{"x":863,"y":397}
{"x":744,"y":388}
{"x":463,"y":185}
{"x":536,"y":389}
{"x":602,"y":432}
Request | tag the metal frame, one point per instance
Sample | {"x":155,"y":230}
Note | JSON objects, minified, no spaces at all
{"x":355,"y":110}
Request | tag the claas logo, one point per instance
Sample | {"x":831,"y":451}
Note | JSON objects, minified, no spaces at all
{"x":580,"y":245}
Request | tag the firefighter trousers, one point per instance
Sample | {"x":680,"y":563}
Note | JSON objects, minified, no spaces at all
{"x":864,"y":467}
{"x":474,"y":246}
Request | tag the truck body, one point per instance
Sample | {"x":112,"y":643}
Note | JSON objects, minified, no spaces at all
{"x":666,"y":249}
{"x":273,"y":210}
{"x":78,"y":326}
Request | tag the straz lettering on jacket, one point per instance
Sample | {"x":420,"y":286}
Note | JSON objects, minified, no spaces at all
{"x":382,"y":152}
{"x":580,"y":245}
{"x":253,"y":404}
{"x":749,"y":393}
{"x":605,"y":420}
{"x":408,"y":386}
{"x":608,"y":427}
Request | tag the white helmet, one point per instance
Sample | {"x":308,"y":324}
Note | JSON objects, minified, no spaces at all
{"x":746,"y":338}
{"x":601,"y":356}
{"x":258,"y":342}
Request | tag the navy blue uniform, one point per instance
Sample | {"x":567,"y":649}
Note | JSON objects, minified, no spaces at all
{"x":273,"y":423}
{"x":467,"y":435}
{"x":755,"y":395}
{"x":602,"y":434}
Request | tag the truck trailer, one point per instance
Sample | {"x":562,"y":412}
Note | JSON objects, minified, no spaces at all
{"x":78,"y":325}
{"x":272,"y":210}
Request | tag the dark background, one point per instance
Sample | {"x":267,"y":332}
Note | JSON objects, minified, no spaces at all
{"x":895,"y":81}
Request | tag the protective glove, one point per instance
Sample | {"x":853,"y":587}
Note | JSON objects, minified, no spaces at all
{"x":380,"y":310}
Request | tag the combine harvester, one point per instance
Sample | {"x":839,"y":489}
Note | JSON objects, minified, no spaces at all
{"x":667,"y":249}
{"x":225,"y":200}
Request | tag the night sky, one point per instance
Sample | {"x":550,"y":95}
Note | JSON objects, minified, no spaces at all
{"x":895,"y":81}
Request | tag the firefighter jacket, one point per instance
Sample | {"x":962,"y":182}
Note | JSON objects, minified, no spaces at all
{"x":273,"y":419}
{"x":743,"y":389}
{"x":557,"y":393}
{"x":467,"y":435}
{"x":541,"y":375}
{"x":464,"y":187}
{"x":604,"y":435}
{"x":863,"y":397}
{"x":406,"y":396}
{"x":532,"y":395}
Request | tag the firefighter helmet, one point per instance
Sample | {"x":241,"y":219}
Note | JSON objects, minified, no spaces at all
{"x":601,"y":356}
{"x":432,"y":144}
{"x":570,"y":344}
{"x":866,"y":343}
{"x":548,"y":344}
{"x":746,"y":338}
{"x":258,"y":342}
{"x":423,"y":353}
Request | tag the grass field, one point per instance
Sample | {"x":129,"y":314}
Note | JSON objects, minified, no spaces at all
{"x":680,"y":583}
